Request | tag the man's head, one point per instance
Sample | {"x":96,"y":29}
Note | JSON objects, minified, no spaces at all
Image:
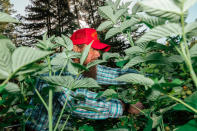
{"x":83,"y":37}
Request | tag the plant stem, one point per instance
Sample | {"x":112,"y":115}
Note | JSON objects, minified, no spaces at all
{"x":65,"y":123}
{"x":186,"y":54}
{"x":50,"y":110}
{"x":62,"y":111}
{"x":6,"y":81}
{"x":182,"y":102}
{"x":50,"y":107}
{"x":44,"y":103}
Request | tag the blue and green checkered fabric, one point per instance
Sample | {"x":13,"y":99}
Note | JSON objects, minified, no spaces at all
{"x":105,"y":108}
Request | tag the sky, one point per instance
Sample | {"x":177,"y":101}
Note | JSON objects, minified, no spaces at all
{"x":19,"y":6}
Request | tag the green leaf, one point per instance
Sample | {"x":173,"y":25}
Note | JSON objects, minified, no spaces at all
{"x":2,"y":88}
{"x":105,"y":25}
{"x":47,"y":43}
{"x":162,"y":31}
{"x":119,"y":129}
{"x":23,"y":56}
{"x":161,"y":8}
{"x":149,"y":125}
{"x":107,"y":93}
{"x":85,"y":83}
{"x":5,"y":60}
{"x":5,"y":18}
{"x":8,"y":43}
{"x":156,"y":58}
{"x":87,"y":108}
{"x":128,"y":23}
{"x":134,"y":61}
{"x":96,"y":62}
{"x":69,"y":82}
{"x":107,"y":12}
{"x":60,"y":41}
{"x":60,"y":59}
{"x":154,"y":95}
{"x":72,"y":69}
{"x":136,"y":79}
{"x":116,"y":4}
{"x":85,"y":53}
{"x":190,"y":29}
{"x":134,"y":50}
{"x":119,"y":13}
{"x":68,"y":42}
{"x":12,"y":88}
{"x":108,"y":55}
{"x":112,"y":32}
{"x":150,"y":21}
{"x":175,"y":59}
{"x":189,"y":126}
{"x":65,"y":81}
{"x":86,"y":128}
{"x":193,"y":51}
{"x":136,"y":8}
{"x":190,"y":100}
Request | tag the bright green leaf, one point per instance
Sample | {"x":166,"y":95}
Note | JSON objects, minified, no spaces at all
{"x":136,"y":79}
{"x":23,"y":56}
{"x":105,"y":25}
{"x":5,"y":18}
{"x":162,"y":31}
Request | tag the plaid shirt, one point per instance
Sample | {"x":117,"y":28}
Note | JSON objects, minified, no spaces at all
{"x":106,"y":108}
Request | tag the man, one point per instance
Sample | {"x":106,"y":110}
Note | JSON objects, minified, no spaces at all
{"x":104,"y":75}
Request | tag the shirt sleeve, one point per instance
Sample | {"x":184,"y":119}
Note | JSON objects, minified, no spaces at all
{"x":106,"y":75}
{"x":91,"y":107}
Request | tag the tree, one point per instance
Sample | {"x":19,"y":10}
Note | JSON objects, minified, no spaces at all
{"x":51,"y":16}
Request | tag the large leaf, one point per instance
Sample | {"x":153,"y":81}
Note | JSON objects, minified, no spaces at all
{"x":23,"y":56}
{"x":85,"y":83}
{"x":162,"y":31}
{"x":150,"y":21}
{"x":69,"y":82}
{"x":134,"y":61}
{"x":136,"y":79}
{"x":12,"y":88}
{"x":68,"y":42}
{"x":112,"y":32}
{"x":5,"y":60}
{"x":72,"y":69}
{"x":106,"y":93}
{"x":65,"y":81}
{"x":119,"y":13}
{"x":60,"y":60}
{"x":105,"y":25}
{"x":190,"y":126}
{"x":96,"y":62}
{"x":108,"y":55}
{"x":134,"y":50}
{"x":128,"y":23}
{"x":107,"y":12}
{"x":193,"y":51}
{"x":190,"y":28}
{"x":161,"y":8}
{"x":5,"y":18}
{"x":156,"y":58}
{"x":190,"y":100}
{"x":175,"y":59}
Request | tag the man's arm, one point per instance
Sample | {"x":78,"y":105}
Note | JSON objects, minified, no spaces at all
{"x":91,"y":107}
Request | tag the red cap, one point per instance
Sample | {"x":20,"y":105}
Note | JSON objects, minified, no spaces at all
{"x":86,"y":36}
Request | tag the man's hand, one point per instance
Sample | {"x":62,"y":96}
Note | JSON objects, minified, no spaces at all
{"x":133,"y":109}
